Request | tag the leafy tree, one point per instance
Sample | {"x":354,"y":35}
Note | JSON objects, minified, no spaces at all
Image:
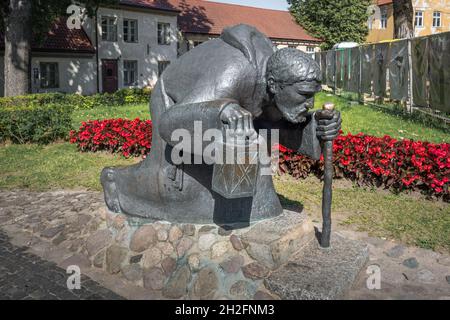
{"x":403,"y":19}
{"x":22,"y":20}
{"x":333,"y":21}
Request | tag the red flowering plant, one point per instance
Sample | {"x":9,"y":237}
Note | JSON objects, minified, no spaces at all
{"x":382,"y":162}
{"x":128,"y":137}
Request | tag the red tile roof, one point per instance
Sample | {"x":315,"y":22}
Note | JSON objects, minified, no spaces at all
{"x":60,"y":38}
{"x":383,"y":2}
{"x":150,"y":4}
{"x":212,"y":17}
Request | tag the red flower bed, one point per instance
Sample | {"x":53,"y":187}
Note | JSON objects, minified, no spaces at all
{"x":129,"y":137}
{"x":382,"y":162}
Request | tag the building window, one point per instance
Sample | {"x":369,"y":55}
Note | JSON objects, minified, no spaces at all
{"x":130,"y":30}
{"x":49,"y":74}
{"x":109,"y":29}
{"x":418,"y":19}
{"x":162,"y":65}
{"x":129,"y":72}
{"x":384,"y":18}
{"x":436,"y":19}
{"x":163,"y":33}
{"x":309,"y":49}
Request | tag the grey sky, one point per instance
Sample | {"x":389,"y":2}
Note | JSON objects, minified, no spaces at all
{"x":268,"y":4}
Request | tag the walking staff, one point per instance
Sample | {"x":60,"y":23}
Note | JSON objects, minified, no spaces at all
{"x":327,"y":185}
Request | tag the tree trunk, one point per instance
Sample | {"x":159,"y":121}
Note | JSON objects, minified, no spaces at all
{"x":403,"y":19}
{"x":18,"y":48}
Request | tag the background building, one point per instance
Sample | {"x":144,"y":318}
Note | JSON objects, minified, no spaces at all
{"x":129,"y":45}
{"x":200,"y":21}
{"x":430,"y":17}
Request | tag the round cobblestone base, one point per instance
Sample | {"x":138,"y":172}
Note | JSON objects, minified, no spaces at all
{"x":181,"y":261}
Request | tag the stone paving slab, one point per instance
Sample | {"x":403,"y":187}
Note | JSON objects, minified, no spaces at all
{"x":25,"y":276}
{"x":316,"y":273}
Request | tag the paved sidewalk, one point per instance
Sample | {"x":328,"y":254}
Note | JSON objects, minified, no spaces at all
{"x":56,"y":226}
{"x":25,"y":276}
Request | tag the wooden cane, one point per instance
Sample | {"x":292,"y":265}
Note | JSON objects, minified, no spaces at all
{"x":327,"y":186}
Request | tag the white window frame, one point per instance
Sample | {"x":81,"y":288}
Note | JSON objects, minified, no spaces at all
{"x":418,"y":17}
{"x":437,"y":20}
{"x":164,"y":33}
{"x":47,"y":81}
{"x":108,"y":31}
{"x":130,"y":31}
{"x":383,"y":17}
{"x":130,"y":75}
{"x":310,"y":49}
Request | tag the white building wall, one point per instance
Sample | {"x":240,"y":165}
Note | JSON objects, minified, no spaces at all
{"x":76,"y":75}
{"x":146,"y":51}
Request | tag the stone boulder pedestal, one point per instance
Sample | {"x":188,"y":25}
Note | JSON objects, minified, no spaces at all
{"x":277,"y":258}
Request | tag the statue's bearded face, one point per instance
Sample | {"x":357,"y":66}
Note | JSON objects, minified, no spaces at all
{"x":294,"y":100}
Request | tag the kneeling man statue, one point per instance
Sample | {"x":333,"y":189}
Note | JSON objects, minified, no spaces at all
{"x":238,"y":81}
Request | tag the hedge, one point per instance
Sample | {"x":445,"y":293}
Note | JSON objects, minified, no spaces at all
{"x":383,"y":162}
{"x":76,"y":101}
{"x":35,"y":123}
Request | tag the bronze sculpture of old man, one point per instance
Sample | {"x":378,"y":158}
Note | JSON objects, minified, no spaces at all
{"x":238,"y":81}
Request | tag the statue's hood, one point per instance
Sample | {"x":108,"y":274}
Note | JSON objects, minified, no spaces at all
{"x":255,"y":46}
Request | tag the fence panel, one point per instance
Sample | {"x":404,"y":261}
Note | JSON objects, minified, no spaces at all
{"x":439,"y":77}
{"x":399,"y":70}
{"x":323,"y":65}
{"x":339,"y":63}
{"x":353,"y":74}
{"x":345,"y":68}
{"x":330,"y":68}
{"x":380,"y":65}
{"x":420,"y":70}
{"x":367,"y":62}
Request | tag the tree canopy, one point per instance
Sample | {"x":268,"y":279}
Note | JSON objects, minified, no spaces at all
{"x":44,"y":12}
{"x":333,"y":21}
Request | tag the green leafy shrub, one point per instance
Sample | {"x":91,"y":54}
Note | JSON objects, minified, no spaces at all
{"x":35,"y":123}
{"x":76,"y":101}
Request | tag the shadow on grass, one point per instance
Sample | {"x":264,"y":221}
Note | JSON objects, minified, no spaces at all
{"x":290,"y":204}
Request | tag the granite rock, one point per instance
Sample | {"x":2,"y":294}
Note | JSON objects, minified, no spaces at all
{"x":143,"y":238}
{"x":232,"y":264}
{"x":255,"y":271}
{"x":151,"y":257}
{"x":132,"y":272}
{"x":168,"y":265}
{"x":206,"y":284}
{"x":205,"y":241}
{"x":319,"y":274}
{"x":411,"y":263}
{"x":271,"y":242}
{"x":115,"y":256}
{"x":154,"y":279}
{"x":98,"y":241}
{"x":177,"y":285}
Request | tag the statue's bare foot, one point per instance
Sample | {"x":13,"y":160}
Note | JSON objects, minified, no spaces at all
{"x":107,"y":179}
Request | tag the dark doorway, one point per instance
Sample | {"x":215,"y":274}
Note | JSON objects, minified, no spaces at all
{"x":109,"y":75}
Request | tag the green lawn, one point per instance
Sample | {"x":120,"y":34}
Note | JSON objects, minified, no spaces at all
{"x":132,"y":111}
{"x":407,"y":217}
{"x":359,"y":118}
{"x":58,"y":165}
